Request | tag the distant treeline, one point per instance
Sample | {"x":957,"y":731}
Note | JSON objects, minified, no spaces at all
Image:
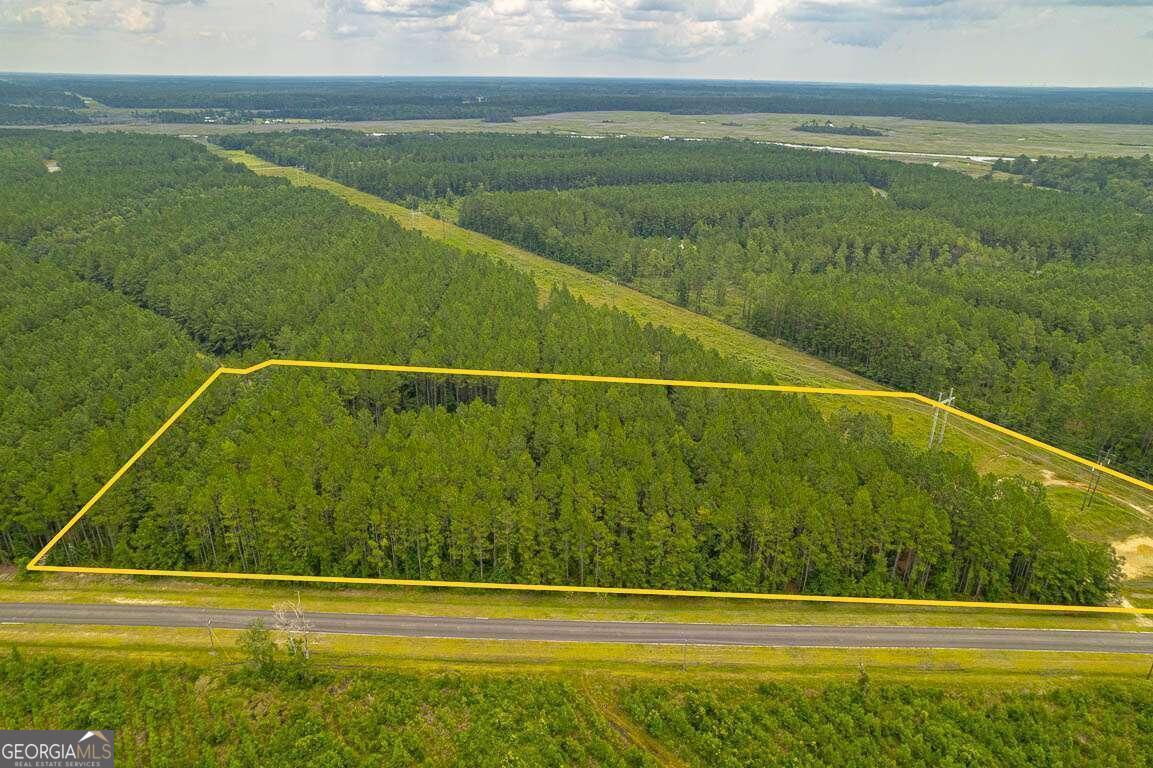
{"x":195,"y":116}
{"x":852,"y":129}
{"x":501,"y":98}
{"x":26,"y":104}
{"x":148,"y":261}
{"x":21,"y":115}
{"x":39,"y":95}
{"x":1128,"y":180}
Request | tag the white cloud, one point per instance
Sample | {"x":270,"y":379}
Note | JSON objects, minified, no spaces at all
{"x":1027,"y":41}
{"x":871,"y":23}
{"x":133,"y":16}
{"x":658,"y":30}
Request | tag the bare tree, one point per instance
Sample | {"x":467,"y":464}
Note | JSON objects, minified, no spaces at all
{"x":295,"y":626}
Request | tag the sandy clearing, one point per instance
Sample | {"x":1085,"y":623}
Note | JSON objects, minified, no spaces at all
{"x":1137,"y":552}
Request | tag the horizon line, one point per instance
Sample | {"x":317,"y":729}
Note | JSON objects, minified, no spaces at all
{"x":581,"y":78}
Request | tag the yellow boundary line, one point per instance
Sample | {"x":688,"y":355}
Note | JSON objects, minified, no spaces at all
{"x":36,"y":563}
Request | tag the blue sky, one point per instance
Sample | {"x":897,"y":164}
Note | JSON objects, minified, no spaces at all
{"x":1030,"y":42}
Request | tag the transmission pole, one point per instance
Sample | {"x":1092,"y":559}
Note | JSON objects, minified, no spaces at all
{"x":940,"y":419}
{"x":1104,"y":458}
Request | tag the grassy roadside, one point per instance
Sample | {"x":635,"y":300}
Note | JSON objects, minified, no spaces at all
{"x":1120,"y":510}
{"x":68,"y":588}
{"x":960,"y":669}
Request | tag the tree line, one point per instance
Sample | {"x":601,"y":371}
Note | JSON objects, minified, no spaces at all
{"x":1128,"y":180}
{"x":852,"y":129}
{"x":375,"y":98}
{"x":432,"y":166}
{"x":39,"y":104}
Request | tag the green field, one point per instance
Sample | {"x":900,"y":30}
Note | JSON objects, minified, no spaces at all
{"x":1119,"y":512}
{"x":903,"y":135}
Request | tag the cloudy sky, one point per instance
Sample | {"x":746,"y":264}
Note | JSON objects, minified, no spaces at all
{"x":1031,"y":42}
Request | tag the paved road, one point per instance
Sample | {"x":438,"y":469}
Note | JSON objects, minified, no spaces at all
{"x":595,"y":631}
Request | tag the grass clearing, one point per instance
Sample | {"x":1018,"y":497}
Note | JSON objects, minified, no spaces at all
{"x":125,"y":590}
{"x":1121,"y":510}
{"x":902,"y":135}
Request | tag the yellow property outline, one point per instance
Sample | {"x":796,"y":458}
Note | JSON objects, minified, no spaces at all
{"x":35,"y":564}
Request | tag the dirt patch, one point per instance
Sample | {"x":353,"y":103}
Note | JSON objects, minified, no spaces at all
{"x":630,"y":732}
{"x":1137,"y":552}
{"x":1142,"y":621}
{"x":1049,"y":478}
{"x":52,"y":166}
{"x":138,"y":601}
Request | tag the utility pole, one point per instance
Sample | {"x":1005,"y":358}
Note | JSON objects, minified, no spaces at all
{"x":940,"y":419}
{"x":1104,"y":458}
{"x":211,"y":634}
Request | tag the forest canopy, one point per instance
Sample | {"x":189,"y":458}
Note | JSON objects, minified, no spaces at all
{"x":35,"y":104}
{"x":1034,"y":305}
{"x":195,"y":262}
{"x":1128,"y":180}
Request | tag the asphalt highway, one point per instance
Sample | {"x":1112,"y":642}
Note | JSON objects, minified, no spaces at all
{"x":643,"y":632}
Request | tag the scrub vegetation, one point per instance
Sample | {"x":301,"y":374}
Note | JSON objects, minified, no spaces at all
{"x":271,"y":710}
